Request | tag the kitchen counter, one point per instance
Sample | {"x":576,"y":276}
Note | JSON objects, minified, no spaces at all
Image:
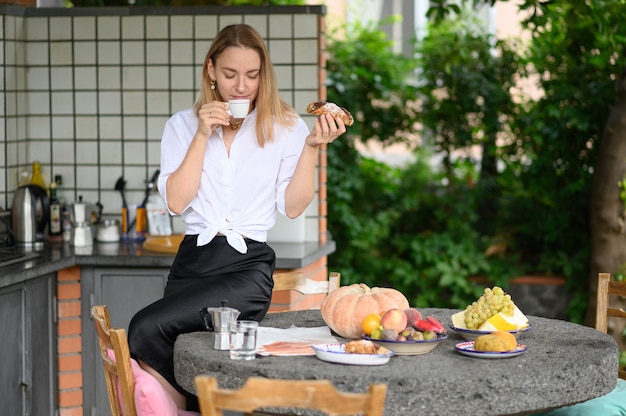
{"x":57,"y":256}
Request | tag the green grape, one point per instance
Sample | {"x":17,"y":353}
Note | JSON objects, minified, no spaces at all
{"x":492,"y":302}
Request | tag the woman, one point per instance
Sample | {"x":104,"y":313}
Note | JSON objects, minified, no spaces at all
{"x":227,"y":178}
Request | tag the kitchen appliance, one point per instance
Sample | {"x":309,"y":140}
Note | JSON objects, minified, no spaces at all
{"x":81,"y":215}
{"x":220,"y":319}
{"x":29,"y":215}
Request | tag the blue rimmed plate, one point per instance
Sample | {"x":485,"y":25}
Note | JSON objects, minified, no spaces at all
{"x":335,"y":353}
{"x":467,"y":348}
{"x":472,"y":334}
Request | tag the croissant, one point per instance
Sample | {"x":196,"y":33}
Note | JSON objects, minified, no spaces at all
{"x":322,"y":107}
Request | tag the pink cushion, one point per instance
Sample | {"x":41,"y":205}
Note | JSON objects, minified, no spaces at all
{"x":151,"y":399}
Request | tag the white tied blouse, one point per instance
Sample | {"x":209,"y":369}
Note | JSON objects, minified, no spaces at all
{"x":238,"y":195}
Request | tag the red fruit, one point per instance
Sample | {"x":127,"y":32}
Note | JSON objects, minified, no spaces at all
{"x":412,"y":315}
{"x":429,"y":324}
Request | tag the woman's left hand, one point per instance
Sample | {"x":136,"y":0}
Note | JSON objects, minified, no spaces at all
{"x":325,"y":131}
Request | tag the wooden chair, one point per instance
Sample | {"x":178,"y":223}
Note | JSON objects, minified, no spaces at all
{"x":115,"y":339}
{"x":606,"y":288}
{"x":296,"y":281}
{"x":259,"y":392}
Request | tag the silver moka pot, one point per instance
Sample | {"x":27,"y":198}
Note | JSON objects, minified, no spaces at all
{"x":218,"y":320}
{"x":29,"y":215}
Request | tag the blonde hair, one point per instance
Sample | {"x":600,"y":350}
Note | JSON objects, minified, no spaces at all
{"x":270,"y":107}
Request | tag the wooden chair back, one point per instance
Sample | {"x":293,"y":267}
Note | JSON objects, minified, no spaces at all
{"x":259,"y":393}
{"x":298,"y":282}
{"x":120,"y":370}
{"x":607,"y":288}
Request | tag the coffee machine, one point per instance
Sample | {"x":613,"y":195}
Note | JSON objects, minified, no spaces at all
{"x":80,"y":215}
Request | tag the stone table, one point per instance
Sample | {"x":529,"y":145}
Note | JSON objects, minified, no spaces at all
{"x":565,"y":363}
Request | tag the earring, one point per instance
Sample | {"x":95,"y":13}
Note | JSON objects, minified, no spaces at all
{"x":213,"y":84}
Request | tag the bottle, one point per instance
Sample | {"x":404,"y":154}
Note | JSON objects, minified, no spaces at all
{"x":55,"y":230}
{"x":66,"y":220}
{"x":37,"y":177}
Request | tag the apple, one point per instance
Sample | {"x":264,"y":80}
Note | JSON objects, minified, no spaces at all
{"x":394,"y":319}
{"x":412,"y":315}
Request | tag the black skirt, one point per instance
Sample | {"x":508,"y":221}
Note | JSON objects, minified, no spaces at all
{"x":201,"y":277}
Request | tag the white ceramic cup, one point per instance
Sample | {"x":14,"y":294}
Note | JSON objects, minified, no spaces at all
{"x":243,"y":336}
{"x":238,"y":108}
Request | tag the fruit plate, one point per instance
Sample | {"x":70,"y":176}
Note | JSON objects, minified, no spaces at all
{"x":409,"y":347}
{"x":467,"y":348}
{"x":471,"y":334}
{"x":334,"y":353}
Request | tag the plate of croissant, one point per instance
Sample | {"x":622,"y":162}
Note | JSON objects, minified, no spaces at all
{"x":359,"y":352}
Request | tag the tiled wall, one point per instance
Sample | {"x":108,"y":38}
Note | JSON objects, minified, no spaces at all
{"x":87,"y":91}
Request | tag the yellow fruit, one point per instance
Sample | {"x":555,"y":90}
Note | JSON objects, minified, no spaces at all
{"x":370,"y":323}
{"x":505,"y":322}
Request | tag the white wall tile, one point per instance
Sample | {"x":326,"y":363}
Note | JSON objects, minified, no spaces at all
{"x":281,"y":26}
{"x":85,"y":78}
{"x":38,"y":127}
{"x":109,"y":53}
{"x":306,"y":76}
{"x":133,"y":77}
{"x":134,"y":128}
{"x":86,"y":127}
{"x":63,"y":151}
{"x":61,"y":78}
{"x":40,"y":150}
{"x":36,"y":28}
{"x":109,"y":102}
{"x":303,"y":98}
{"x":305,"y":51}
{"x":110,"y":127}
{"x":157,"y":77}
{"x":109,"y":77}
{"x":156,"y":125}
{"x":132,"y":27}
{"x":87,"y":152}
{"x":62,"y":102}
{"x":61,"y":53}
{"x":110,"y":152}
{"x":86,"y":177}
{"x":60,"y":28}
{"x":157,"y":52}
{"x":181,"y":52}
{"x":181,"y":27}
{"x":37,"y":53}
{"x":280,"y":51}
{"x":182,"y":100}
{"x":158,"y":102}
{"x":38,"y":103}
{"x":284,"y":77}
{"x":134,"y":102}
{"x":134,"y":153}
{"x":85,"y":53}
{"x":133,"y":53}
{"x":86,"y":102}
{"x":305,"y":25}
{"x":37,"y":78}
{"x":108,"y":27}
{"x":154,"y":153}
{"x":182,"y":78}
{"x":157,"y":27}
{"x":63,"y":128}
{"x":205,"y":27}
{"x":226,"y":20}
{"x":84,"y":27}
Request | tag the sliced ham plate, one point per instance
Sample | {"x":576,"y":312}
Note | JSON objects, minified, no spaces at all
{"x":286,"y":348}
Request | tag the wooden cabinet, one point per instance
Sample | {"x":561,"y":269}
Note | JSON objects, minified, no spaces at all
{"x":28,"y":375}
{"x":124,"y":291}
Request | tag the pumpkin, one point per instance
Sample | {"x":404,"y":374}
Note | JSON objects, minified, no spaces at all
{"x":343,"y":309}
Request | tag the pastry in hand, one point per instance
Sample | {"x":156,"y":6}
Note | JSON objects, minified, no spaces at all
{"x":323,"y":107}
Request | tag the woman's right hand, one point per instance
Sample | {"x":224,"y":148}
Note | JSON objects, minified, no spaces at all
{"x":211,"y":115}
